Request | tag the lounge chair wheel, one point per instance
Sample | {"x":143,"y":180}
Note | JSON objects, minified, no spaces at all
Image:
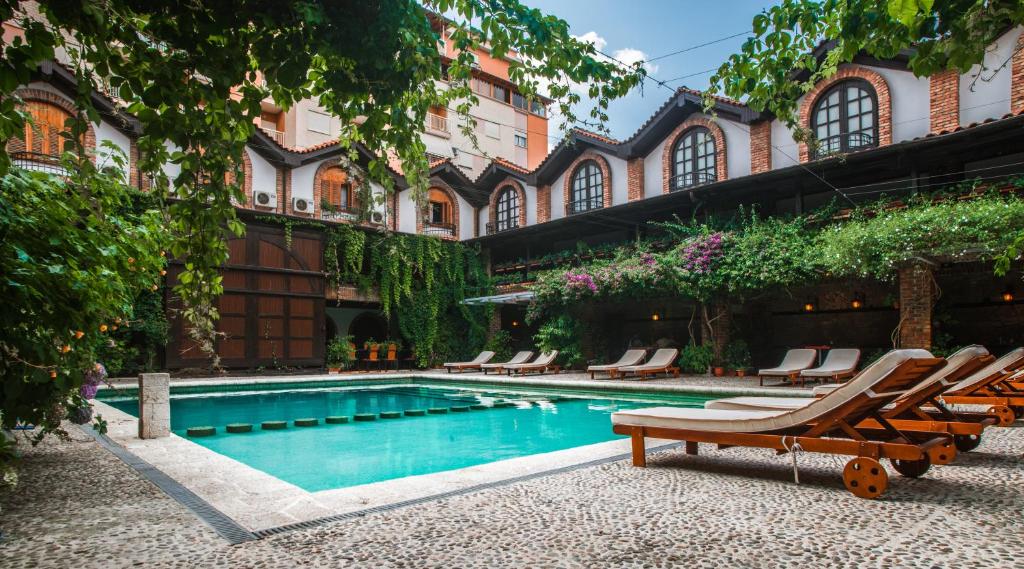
{"x":1005,"y":415}
{"x":966,"y":443}
{"x":912,"y":468}
{"x":942,"y":454}
{"x":865,"y":477}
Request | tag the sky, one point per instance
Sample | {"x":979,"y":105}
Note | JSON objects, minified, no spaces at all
{"x":635,"y":30}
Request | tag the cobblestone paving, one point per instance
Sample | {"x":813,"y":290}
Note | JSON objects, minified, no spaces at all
{"x":79,"y":506}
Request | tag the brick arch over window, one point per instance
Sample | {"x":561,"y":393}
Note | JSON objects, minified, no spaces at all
{"x":318,"y":180}
{"x":29,"y":94}
{"x":606,"y":178}
{"x":721,"y":163}
{"x":250,"y":201}
{"x":877,"y":83}
{"x":493,"y":204}
{"x":1017,"y":77}
{"x":438,"y":186}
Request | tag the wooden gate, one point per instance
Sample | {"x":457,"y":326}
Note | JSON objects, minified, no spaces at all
{"x":272,"y":309}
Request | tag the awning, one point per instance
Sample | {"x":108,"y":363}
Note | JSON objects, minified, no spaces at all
{"x":524,"y":297}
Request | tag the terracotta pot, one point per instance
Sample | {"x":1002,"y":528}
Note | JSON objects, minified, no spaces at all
{"x":334,"y":370}
{"x":741,"y":373}
{"x":718,"y":371}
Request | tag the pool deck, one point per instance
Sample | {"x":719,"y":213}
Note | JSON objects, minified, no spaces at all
{"x":78,"y":504}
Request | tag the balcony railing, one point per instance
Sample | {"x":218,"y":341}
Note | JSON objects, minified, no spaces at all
{"x":277,"y":135}
{"x":439,"y":229}
{"x":845,"y":142}
{"x":690,"y":180}
{"x":500,"y":226}
{"x":342,"y":214}
{"x":437,"y":122}
{"x":38,"y":162}
{"x":587,"y":204}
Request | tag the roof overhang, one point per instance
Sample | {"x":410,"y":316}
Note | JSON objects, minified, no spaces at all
{"x":523,"y":297}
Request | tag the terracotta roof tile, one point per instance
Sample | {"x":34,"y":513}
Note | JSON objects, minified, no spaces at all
{"x":594,"y":135}
{"x":511,"y":166}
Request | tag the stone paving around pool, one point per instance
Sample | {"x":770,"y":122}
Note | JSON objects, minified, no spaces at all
{"x":78,"y":505}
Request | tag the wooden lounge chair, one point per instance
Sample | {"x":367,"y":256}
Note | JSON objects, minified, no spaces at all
{"x":630,"y":358}
{"x":520,"y":358}
{"x":544,"y":363}
{"x":995,"y":386}
{"x":795,"y":362}
{"x":840,"y":363}
{"x":663,"y":361}
{"x":475,"y":363}
{"x":919,"y":409}
{"x":830,"y":425}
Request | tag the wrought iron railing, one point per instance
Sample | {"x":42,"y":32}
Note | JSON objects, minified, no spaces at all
{"x":586,"y":204}
{"x":437,"y":122}
{"x":38,"y":162}
{"x":340,"y":214}
{"x":439,"y":229}
{"x":690,"y":180}
{"x":498,"y":227}
{"x":845,"y":142}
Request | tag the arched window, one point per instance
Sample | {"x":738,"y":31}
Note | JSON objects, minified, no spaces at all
{"x":506,"y":212}
{"x":845,"y":118}
{"x":44,"y":136}
{"x":693,"y":159}
{"x":337,"y":195}
{"x":587,"y":188}
{"x":440,"y":214}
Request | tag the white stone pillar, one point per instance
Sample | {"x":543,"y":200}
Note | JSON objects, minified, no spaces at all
{"x":154,"y":405}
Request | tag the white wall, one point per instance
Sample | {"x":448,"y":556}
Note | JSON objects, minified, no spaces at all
{"x":989,"y":96}
{"x":619,"y":189}
{"x":653,"y":184}
{"x":558,"y":197}
{"x":406,"y":212}
{"x":107,"y":133}
{"x":483,"y":217}
{"x":530,"y":205}
{"x":264,"y":176}
{"x":909,"y":103}
{"x":467,"y":214}
{"x":737,"y":148}
{"x":302,"y":184}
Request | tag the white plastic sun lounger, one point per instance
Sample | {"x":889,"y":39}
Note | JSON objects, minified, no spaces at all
{"x":830,"y":425}
{"x":663,"y":361}
{"x":521,"y":357}
{"x":630,"y":358}
{"x":475,"y":363}
{"x":840,"y":363}
{"x":544,"y":363}
{"x":795,"y":362}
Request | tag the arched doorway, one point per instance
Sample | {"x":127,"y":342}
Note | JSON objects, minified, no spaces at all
{"x":368,"y":325}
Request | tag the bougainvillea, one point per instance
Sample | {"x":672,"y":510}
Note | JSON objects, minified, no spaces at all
{"x":699,"y":255}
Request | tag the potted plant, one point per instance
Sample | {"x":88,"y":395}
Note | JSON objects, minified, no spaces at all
{"x":737,"y":357}
{"x":695,"y":359}
{"x":341,"y":354}
{"x":372,"y":348}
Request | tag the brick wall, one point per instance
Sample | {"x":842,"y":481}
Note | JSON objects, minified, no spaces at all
{"x":760,"y":147}
{"x":916,"y":301}
{"x":944,"y":101}
{"x":1017,"y":78}
{"x":543,"y":203}
{"x":635,"y":178}
{"x":721,"y":164}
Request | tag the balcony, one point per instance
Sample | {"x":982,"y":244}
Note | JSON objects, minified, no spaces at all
{"x":339,"y":214}
{"x":840,"y":143}
{"x":277,"y":135}
{"x":437,"y":123}
{"x":493,"y":228}
{"x":587,"y":204}
{"x":439,"y":229}
{"x":38,"y":162}
{"x":690,"y":180}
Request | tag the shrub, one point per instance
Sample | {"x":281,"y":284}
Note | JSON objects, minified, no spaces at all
{"x":562,"y":333}
{"x":696,"y":359}
{"x":737,"y":355}
{"x":340,"y":352}
{"x":501,"y":344}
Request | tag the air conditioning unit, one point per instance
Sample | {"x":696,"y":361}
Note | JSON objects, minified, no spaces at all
{"x":265,"y":199}
{"x":377,"y":217}
{"x":302,"y":205}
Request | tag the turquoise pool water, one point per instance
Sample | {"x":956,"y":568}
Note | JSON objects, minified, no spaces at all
{"x":337,"y":456}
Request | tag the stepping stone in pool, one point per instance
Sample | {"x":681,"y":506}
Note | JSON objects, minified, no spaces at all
{"x":460,"y":409}
{"x":365,"y":417}
{"x":307,"y":422}
{"x":415,"y":412}
{"x":503,"y":404}
{"x":437,"y":410}
{"x":479,"y":407}
{"x":204,"y":431}
{"x":390,"y":414}
{"x":274,"y":425}
{"x":239,"y":428}
{"x":336,"y":420}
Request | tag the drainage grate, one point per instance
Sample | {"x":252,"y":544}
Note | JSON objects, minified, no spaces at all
{"x":228,"y":528}
{"x":496,"y":484}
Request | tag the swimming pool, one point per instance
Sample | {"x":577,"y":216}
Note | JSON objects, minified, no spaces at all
{"x":329,"y":456}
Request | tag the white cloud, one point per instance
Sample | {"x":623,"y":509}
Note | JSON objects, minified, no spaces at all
{"x":630,"y":56}
{"x":591,"y":37}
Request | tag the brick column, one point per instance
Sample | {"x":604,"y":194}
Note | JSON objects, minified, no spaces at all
{"x":154,"y":405}
{"x":714,"y":327}
{"x":635,"y":178}
{"x":1017,"y":77}
{"x":494,"y":324}
{"x":544,"y":203}
{"x":944,"y":101}
{"x":916,"y":300}
{"x":760,"y":147}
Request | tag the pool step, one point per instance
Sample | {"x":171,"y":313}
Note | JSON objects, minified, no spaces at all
{"x":239,"y":428}
{"x":390,"y":414}
{"x":336,"y":420}
{"x":307,"y":422}
{"x":365,"y":417}
{"x":203,"y":431}
{"x":274,"y":425}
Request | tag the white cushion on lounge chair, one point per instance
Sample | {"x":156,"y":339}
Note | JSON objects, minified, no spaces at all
{"x":1000,"y":365}
{"x":516,"y":359}
{"x":795,"y":360}
{"x":630,"y":358}
{"x":838,"y":362}
{"x":544,"y":359}
{"x":483,"y":357}
{"x":660,"y":360}
{"x":954,"y":363}
{"x":766,"y":421}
